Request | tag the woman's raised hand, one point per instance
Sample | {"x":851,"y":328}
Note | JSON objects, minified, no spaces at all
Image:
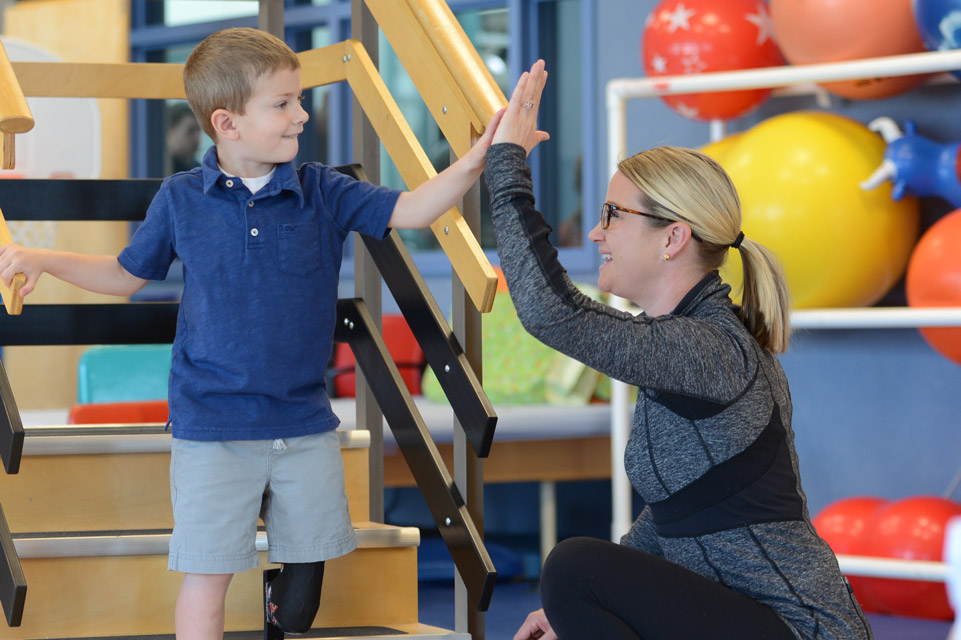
{"x":519,"y":122}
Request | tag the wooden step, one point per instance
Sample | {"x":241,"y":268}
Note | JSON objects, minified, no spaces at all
{"x":116,"y":478}
{"x":117,"y":584}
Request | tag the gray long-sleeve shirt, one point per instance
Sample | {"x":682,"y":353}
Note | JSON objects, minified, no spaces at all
{"x":711,"y":448}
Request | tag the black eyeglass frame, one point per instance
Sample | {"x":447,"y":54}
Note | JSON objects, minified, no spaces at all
{"x":609,"y":207}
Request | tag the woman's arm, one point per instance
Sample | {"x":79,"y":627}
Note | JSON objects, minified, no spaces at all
{"x":671,"y":353}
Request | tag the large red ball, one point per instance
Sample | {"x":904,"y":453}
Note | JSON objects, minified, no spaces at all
{"x":696,"y":36}
{"x":843,"y":525}
{"x":819,"y":31}
{"x":911,"y":529}
{"x":934,"y":280}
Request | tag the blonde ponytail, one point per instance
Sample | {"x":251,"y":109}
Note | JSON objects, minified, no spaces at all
{"x":765,"y":301}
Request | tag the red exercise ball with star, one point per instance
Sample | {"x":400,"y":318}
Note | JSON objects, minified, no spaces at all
{"x":698,"y":36}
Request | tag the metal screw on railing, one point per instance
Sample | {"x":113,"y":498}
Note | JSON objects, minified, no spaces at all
{"x":444,"y":109}
{"x":446,"y":230}
{"x":446,"y":368}
{"x":447,"y":522}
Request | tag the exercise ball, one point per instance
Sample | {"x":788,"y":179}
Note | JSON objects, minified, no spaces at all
{"x":697,"y":36}
{"x":843,"y":525}
{"x":816,"y":31}
{"x":939,"y":23}
{"x":798,"y":176}
{"x":934,"y":280}
{"x":911,"y":529}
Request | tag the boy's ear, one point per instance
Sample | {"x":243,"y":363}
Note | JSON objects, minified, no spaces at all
{"x":223,"y":124}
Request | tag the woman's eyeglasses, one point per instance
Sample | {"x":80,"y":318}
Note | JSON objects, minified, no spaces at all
{"x":608,"y":210}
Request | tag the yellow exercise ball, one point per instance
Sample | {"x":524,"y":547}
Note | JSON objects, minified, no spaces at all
{"x":798,"y":176}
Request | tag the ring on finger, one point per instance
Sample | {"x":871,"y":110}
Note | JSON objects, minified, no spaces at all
{"x":527,"y":105}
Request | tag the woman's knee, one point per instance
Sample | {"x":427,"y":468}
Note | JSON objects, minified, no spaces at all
{"x":565,"y":567}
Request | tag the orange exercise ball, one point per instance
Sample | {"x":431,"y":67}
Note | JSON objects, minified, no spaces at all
{"x":798,"y":175}
{"x":698,"y":36}
{"x":843,"y":525}
{"x":934,"y":280}
{"x":816,"y":31}
{"x":911,"y":529}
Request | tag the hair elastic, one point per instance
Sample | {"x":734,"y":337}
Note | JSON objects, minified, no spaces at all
{"x":737,"y":241}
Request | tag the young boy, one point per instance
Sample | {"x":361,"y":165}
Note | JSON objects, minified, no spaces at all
{"x":261,"y":245}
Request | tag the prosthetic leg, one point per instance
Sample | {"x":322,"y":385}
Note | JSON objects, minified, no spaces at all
{"x":291,"y":598}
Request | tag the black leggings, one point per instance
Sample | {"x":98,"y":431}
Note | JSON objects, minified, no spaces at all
{"x":598,"y":589}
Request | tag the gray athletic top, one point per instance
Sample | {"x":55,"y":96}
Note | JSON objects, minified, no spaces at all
{"x":711,"y":449}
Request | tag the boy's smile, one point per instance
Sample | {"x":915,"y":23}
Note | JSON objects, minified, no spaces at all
{"x":266,"y":133}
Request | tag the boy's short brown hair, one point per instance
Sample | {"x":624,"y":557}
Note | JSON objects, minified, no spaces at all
{"x":222,"y":71}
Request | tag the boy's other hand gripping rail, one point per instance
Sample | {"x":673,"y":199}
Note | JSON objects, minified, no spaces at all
{"x":12,"y":299}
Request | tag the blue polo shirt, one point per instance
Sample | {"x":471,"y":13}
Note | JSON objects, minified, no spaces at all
{"x":256,"y":320}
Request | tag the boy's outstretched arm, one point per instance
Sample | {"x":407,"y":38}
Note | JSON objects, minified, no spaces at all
{"x":100,"y":274}
{"x":421,"y":207}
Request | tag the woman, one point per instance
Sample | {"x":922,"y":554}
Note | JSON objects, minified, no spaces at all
{"x":725,"y":547}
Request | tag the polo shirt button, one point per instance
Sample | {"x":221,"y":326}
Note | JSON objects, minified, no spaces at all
{"x":229,"y":183}
{"x":254,"y":232}
{"x":250,"y":204}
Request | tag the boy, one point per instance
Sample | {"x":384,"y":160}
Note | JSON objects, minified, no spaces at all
{"x":261,"y":246}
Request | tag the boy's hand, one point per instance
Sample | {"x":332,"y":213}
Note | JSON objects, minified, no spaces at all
{"x":16,"y":259}
{"x":536,"y":627}
{"x":519,"y":123}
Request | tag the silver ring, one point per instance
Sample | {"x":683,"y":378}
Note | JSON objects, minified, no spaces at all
{"x":527,"y":105}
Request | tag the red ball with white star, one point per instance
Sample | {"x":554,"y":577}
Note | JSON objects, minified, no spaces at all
{"x":697,"y":36}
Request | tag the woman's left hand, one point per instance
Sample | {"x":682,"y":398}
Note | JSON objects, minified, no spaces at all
{"x":519,"y":122}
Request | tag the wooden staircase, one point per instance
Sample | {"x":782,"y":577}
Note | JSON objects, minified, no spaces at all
{"x":89,"y":513}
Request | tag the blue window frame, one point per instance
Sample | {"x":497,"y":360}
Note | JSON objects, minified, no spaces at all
{"x":509,"y":33}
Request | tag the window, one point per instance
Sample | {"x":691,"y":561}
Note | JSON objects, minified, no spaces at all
{"x":509,"y":35}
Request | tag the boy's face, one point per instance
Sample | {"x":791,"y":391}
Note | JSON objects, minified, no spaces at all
{"x":272,"y":120}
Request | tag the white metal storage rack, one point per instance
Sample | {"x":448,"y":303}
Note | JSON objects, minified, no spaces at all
{"x":619,"y":92}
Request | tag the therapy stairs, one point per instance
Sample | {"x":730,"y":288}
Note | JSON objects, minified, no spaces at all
{"x":85,"y":513}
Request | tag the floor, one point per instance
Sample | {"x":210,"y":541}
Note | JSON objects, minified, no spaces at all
{"x":512,"y":601}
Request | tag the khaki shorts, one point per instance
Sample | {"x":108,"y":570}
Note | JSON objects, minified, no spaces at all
{"x":219,"y":489}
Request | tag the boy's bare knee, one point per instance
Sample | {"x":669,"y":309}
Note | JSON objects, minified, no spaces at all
{"x":210,"y":583}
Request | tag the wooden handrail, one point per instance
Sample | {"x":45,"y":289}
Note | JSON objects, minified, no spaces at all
{"x":150,"y":80}
{"x":435,"y":74}
{"x":459,"y":55}
{"x":15,"y":116}
{"x":455,"y":237}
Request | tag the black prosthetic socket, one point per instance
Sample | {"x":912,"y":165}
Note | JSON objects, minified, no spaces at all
{"x":293,"y":596}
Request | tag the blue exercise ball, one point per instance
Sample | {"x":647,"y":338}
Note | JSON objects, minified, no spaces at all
{"x":939,"y":23}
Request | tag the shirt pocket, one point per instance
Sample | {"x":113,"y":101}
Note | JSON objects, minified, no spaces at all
{"x":298,"y":248}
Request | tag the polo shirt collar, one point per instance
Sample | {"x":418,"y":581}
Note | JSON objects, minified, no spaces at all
{"x":285,"y":177}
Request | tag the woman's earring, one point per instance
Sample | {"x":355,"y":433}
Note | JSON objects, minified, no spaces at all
{"x":666,"y":257}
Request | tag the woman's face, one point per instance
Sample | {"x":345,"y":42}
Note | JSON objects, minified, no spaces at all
{"x":631,"y":249}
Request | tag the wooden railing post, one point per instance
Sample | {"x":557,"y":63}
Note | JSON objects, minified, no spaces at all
{"x":468,"y":468}
{"x":367,"y":280}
